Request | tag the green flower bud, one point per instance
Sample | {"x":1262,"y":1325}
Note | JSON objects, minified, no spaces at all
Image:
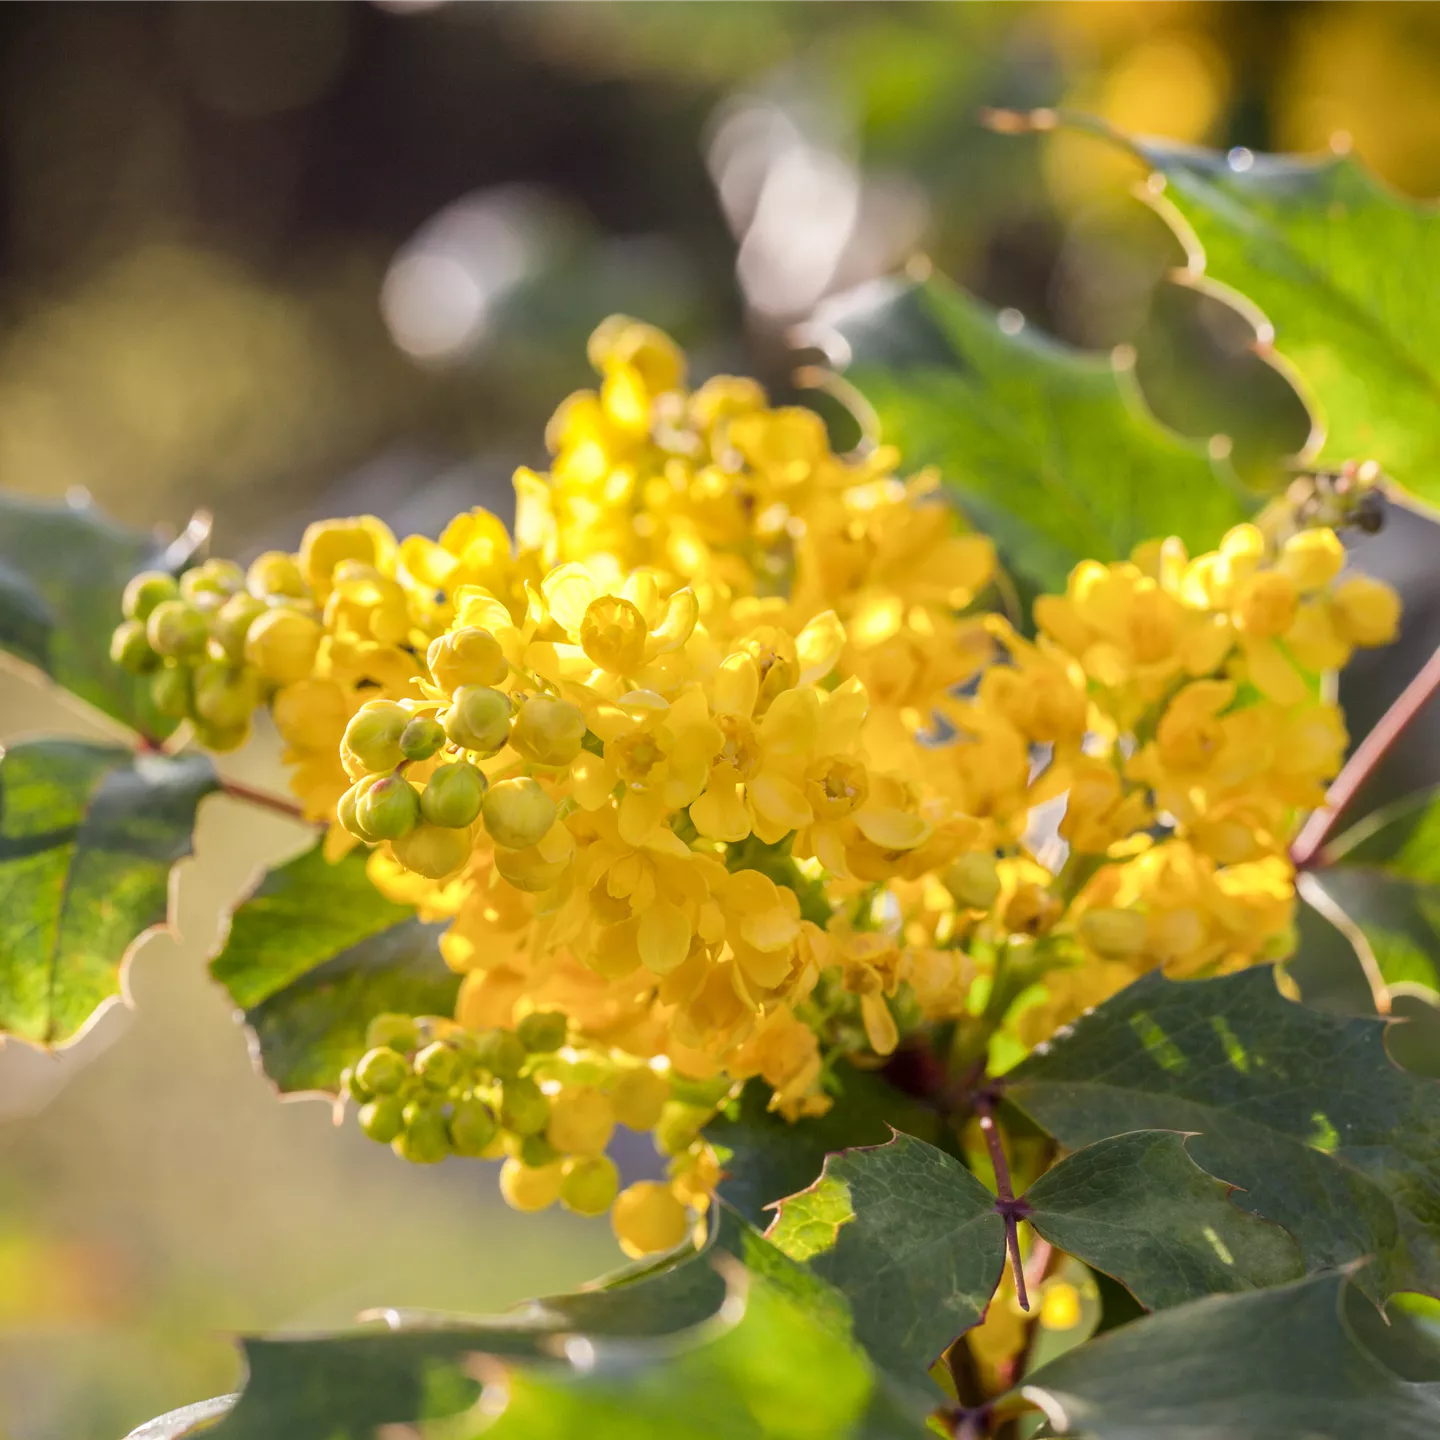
{"x":147,"y":590}
{"x":130,"y":650}
{"x":432,"y":851}
{"x":453,"y":795}
{"x":352,"y":1085}
{"x":973,"y":880}
{"x":373,"y":735}
{"x":542,"y":1031}
{"x":216,"y":578}
{"x":500,"y":1053}
{"x":389,"y":808}
{"x":439,"y":1066}
{"x":518,"y":813}
{"x":394,"y":1032}
{"x":548,"y":731}
{"x":224,"y":697}
{"x":170,"y":690}
{"x":232,"y":623}
{"x":347,"y":810}
{"x":382,"y":1119}
{"x":382,"y":1071}
{"x":421,"y":738}
{"x":524,"y":1110}
{"x":176,"y":629}
{"x":220,"y":738}
{"x":679,"y":1127}
{"x":478,"y":720}
{"x":274,"y":573}
{"x":535,"y":1151}
{"x":589,"y":1184}
{"x":472,"y":1127}
{"x":425,"y":1139}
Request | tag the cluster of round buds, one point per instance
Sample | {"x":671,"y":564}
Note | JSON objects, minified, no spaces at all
{"x":217,"y":640}
{"x":431,"y":1089}
{"x":416,"y":764}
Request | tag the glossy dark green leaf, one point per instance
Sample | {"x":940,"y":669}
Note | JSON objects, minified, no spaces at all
{"x":746,"y":1330}
{"x":1303,"y":1110}
{"x":313,"y":952}
{"x":88,"y":835}
{"x":1276,"y":1364}
{"x":911,"y":1239}
{"x":1139,"y":1208}
{"x":1343,"y":267}
{"x":1041,"y":446}
{"x":63,"y":569}
{"x":771,"y":1158}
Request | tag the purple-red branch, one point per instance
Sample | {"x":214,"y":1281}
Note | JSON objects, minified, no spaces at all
{"x":1310,"y":842}
{"x":1011,"y":1210}
{"x":266,"y":801}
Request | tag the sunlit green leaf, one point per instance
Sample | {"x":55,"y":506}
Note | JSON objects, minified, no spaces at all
{"x":1303,"y":1110}
{"x":313,"y":953}
{"x":1139,"y":1208}
{"x":63,"y":569}
{"x":911,"y":1239}
{"x":1041,"y":446}
{"x":88,"y":835}
{"x":1277,"y":1364}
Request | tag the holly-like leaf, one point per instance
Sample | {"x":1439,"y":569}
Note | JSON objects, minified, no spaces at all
{"x":88,"y":834}
{"x":770,"y":1158}
{"x":1276,"y":1364}
{"x":63,"y":569}
{"x":1342,"y":267}
{"x":1139,"y":1208}
{"x":1041,"y":445}
{"x":1384,"y":874}
{"x":1304,"y":1111}
{"x":727,"y":1339}
{"x":312,"y":953}
{"x":911,"y":1239}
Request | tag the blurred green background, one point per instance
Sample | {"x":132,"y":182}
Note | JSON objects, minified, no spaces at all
{"x":288,"y":260}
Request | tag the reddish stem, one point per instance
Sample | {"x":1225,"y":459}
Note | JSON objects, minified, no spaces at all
{"x":238,"y":791}
{"x":1311,"y":841}
{"x":1009,"y":1207}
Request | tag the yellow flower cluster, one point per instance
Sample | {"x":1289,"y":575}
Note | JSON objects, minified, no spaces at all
{"x":717,"y":761}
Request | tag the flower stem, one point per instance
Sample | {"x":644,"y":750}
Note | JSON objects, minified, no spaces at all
{"x":1009,"y":1207}
{"x":1307,"y":851}
{"x":261,"y":798}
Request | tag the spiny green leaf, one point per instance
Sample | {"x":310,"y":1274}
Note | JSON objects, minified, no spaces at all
{"x":911,"y":1239}
{"x":1040,"y":445}
{"x":735,"y":1328}
{"x":1302,"y":1110}
{"x":1268,"y":1365}
{"x":63,"y":569}
{"x":771,"y":1158}
{"x":1139,"y":1208}
{"x":313,"y":953}
{"x":88,"y":834}
{"x":1343,"y":268}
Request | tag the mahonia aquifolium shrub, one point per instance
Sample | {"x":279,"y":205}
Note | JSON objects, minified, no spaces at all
{"x":718,"y":769}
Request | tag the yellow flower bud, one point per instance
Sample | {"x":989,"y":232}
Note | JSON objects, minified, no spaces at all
{"x":1267,"y":604}
{"x":282,"y":644}
{"x":973,"y":880}
{"x":581,"y":1121}
{"x":147,"y":590}
{"x":588,"y":1184}
{"x":479,"y":719}
{"x":530,"y":1188}
{"x":469,"y":656}
{"x":517,"y":813}
{"x":327,"y":544}
{"x":1312,"y":558}
{"x":613,"y":634}
{"x":274,"y":573}
{"x":433,"y":852}
{"x":176,"y":629}
{"x":372,"y":738}
{"x":232,"y":623}
{"x":310,"y":714}
{"x":638,"y":1097}
{"x":548,"y":731}
{"x":1115,"y":934}
{"x":647,"y":1217}
{"x":1366,"y":611}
